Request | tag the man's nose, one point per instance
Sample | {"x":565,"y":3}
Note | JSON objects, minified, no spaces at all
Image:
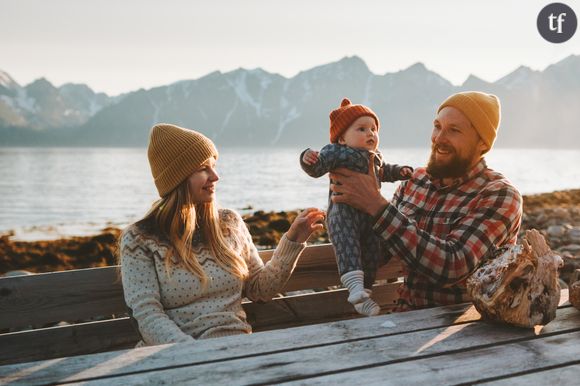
{"x":439,"y":136}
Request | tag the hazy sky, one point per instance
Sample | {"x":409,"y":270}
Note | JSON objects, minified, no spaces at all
{"x":121,"y":45}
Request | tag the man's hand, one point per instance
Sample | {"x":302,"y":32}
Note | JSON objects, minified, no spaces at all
{"x":358,"y":190}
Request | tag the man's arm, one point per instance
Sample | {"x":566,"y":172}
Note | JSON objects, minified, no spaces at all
{"x":473,"y":238}
{"x":442,"y":261}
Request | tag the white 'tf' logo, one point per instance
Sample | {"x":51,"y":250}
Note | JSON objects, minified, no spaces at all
{"x":559,"y":19}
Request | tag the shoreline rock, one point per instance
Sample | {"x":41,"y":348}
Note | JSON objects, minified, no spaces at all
{"x":556,"y":215}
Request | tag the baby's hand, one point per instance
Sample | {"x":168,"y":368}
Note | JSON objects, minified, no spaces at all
{"x":310,"y":157}
{"x":406,"y":171}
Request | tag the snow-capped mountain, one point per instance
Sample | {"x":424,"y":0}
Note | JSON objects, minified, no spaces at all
{"x":41,"y":106}
{"x":257,"y":108}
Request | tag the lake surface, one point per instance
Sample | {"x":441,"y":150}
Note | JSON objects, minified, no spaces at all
{"x":58,"y":191}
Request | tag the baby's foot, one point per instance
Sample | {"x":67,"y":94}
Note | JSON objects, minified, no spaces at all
{"x":354,"y":281}
{"x":357,"y":297}
{"x":368,"y":308}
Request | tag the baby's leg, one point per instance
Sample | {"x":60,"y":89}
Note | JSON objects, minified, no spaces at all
{"x":344,"y":231}
{"x":370,"y":255}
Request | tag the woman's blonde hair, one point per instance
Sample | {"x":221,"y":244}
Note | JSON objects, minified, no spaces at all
{"x":176,"y":218}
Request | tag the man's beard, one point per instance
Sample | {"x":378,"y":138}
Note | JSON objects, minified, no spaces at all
{"x":454,"y":168}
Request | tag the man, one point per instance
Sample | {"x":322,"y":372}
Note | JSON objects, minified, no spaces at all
{"x":451,"y":215}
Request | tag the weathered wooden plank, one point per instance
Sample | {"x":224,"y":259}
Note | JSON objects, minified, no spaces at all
{"x":394,"y":336}
{"x":86,"y":293}
{"x":562,"y":375}
{"x":86,"y":338}
{"x":316,"y":268}
{"x":83,"y":338}
{"x":465,"y":367}
{"x":238,"y":346}
{"x":59,"y":296}
{"x":312,"y":308}
{"x":445,"y":355}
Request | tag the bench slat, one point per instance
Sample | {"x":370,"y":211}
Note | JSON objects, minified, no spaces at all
{"x":115,"y":334}
{"x":60,"y":296}
{"x":86,"y":293}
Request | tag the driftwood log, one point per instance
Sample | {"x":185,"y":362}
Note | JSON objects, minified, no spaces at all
{"x":575,"y":289}
{"x":519,"y":287}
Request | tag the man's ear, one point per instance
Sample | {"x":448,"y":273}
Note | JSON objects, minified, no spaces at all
{"x":482,"y":147}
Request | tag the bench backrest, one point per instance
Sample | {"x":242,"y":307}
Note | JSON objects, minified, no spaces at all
{"x":30,"y":305}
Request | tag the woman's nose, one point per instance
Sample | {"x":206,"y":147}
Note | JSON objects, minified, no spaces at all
{"x":214,"y":176}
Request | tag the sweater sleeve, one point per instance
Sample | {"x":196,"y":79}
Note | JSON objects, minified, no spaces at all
{"x":142,"y":294}
{"x":317,"y":169}
{"x":266,"y":280}
{"x":471,"y":239}
{"x":333,"y":156}
{"x":392,"y":172}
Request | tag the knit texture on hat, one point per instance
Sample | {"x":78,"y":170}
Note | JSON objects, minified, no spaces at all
{"x":174,"y":153}
{"x":345,"y":115}
{"x":482,"y":110}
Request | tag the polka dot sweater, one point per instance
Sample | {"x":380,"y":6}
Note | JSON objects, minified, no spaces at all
{"x":175,"y":308}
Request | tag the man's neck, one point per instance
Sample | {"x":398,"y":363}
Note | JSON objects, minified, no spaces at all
{"x":448,"y":181}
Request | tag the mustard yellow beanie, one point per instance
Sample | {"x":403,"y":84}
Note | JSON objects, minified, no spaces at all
{"x":174,"y":153}
{"x":483,"y":111}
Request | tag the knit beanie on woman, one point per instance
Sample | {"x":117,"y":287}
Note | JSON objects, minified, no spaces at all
{"x":345,"y":115}
{"x":175,"y":153}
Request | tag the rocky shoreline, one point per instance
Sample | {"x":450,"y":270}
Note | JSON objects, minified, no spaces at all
{"x":556,"y":215}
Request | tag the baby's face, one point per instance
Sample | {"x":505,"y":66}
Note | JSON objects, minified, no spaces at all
{"x":362,"y":134}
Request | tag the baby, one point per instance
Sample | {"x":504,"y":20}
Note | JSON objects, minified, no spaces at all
{"x":353,"y":135}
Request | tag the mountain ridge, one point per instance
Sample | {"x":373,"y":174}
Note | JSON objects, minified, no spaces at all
{"x":253,"y":107}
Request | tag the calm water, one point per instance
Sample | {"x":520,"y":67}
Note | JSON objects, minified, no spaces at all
{"x":79,"y":190}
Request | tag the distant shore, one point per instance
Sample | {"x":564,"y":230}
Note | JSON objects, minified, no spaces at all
{"x":556,"y":214}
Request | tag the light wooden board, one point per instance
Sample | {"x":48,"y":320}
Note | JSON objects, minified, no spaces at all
{"x":151,"y":358}
{"x":566,"y":375}
{"x":78,"y":295}
{"x":86,"y":338}
{"x":449,"y":354}
{"x":83,"y":338}
{"x":467,"y":366}
{"x":316,"y":268}
{"x":59,"y":296}
{"x":298,"y":340}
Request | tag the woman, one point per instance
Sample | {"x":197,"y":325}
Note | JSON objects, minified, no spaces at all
{"x":186,"y":265}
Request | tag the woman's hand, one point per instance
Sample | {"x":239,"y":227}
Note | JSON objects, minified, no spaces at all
{"x":358,"y":190}
{"x":308,"y":221}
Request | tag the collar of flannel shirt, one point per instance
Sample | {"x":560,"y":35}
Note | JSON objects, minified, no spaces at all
{"x":472,"y":173}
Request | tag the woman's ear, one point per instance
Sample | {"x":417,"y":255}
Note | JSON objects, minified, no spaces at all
{"x":341,"y":140}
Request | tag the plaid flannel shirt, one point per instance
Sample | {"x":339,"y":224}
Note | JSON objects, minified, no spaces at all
{"x":442,"y":234}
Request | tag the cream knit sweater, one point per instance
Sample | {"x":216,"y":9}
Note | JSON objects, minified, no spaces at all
{"x":175,"y":308}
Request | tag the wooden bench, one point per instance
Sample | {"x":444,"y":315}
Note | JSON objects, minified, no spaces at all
{"x":28,"y":304}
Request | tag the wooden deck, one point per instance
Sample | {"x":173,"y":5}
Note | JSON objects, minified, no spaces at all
{"x":444,"y":345}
